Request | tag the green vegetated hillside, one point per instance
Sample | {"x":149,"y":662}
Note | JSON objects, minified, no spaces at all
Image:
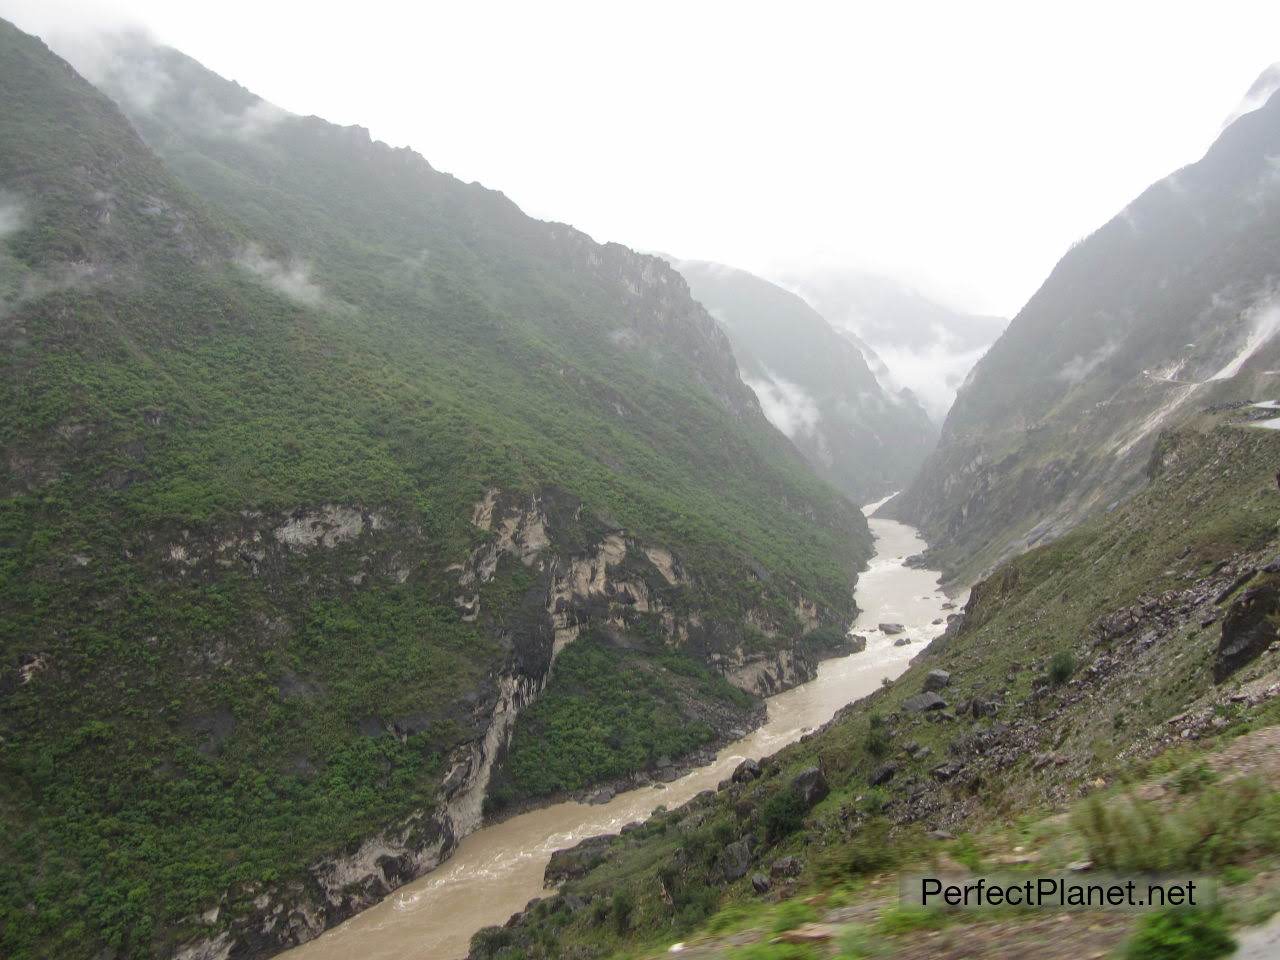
{"x":313,"y":456}
{"x":1139,"y":649}
{"x":1169,"y":307}
{"x":815,"y":384}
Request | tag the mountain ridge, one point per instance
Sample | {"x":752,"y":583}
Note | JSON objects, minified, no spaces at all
{"x":1163,"y":310}
{"x":317,"y":460}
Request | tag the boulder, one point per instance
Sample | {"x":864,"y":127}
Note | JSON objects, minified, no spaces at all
{"x":810,"y":786}
{"x":946,"y":772}
{"x":603,"y":795}
{"x":892,"y":629}
{"x":1247,"y":630}
{"x":883,"y":774}
{"x":786,"y":867}
{"x":923,"y":702}
{"x":936,"y":680}
{"x":735,"y":858}
{"x":902,"y":641}
{"x":746,"y":771}
{"x":857,"y":643}
{"x":577,"y":861}
{"x":760,"y":883}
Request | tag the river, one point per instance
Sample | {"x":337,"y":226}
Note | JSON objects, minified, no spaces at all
{"x":498,"y":869}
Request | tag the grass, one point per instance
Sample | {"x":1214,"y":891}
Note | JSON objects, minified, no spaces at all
{"x":1220,"y":825}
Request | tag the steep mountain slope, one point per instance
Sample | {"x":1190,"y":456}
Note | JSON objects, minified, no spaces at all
{"x":315,"y":458}
{"x":1168,"y":308}
{"x":814,"y":384}
{"x":1140,"y":645}
{"x":915,"y":342}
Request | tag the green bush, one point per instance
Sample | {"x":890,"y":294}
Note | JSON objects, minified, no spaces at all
{"x":870,"y":850}
{"x":622,"y":909}
{"x":791,"y":914}
{"x":782,"y":815}
{"x":1061,"y":667}
{"x":1181,"y":935}
{"x":879,"y":743}
{"x":1222,"y":825}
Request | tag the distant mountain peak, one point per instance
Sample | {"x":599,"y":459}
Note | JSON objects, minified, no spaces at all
{"x":1268,"y":83}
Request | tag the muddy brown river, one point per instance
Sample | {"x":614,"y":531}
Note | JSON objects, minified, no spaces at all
{"x":498,"y":869}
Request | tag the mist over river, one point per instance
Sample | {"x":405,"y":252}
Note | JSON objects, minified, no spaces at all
{"x":499,"y":868}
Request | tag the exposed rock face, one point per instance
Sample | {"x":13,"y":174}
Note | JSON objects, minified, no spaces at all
{"x":1247,"y":630}
{"x":746,"y":771}
{"x":766,"y":673}
{"x":325,"y":527}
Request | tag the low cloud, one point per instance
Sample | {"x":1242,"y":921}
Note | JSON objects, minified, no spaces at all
{"x":12,"y":214}
{"x":125,"y":61}
{"x":292,"y":279}
{"x":933,"y":373}
{"x":1081,"y":365}
{"x":786,"y":405}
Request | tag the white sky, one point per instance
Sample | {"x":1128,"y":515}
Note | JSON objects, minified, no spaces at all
{"x":960,"y":146}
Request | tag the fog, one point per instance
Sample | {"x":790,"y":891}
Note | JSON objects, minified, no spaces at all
{"x":961,"y":149}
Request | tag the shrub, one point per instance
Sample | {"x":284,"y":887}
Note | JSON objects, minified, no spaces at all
{"x":1061,"y":667}
{"x":782,"y":815}
{"x":855,"y":943}
{"x":1193,"y":776}
{"x":791,"y":914}
{"x":1220,"y":826}
{"x":868,"y":851}
{"x":1181,"y":935}
{"x":623,"y":906}
{"x":879,"y":743}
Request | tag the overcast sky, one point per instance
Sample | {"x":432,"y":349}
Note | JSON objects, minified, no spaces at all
{"x":959,"y":146}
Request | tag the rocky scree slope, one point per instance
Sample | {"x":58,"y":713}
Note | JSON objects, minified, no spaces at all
{"x":815,"y":384}
{"x":315,"y":459}
{"x":1080,"y":665}
{"x":1167,"y":308}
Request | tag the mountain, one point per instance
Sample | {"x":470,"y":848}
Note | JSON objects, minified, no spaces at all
{"x":316,"y":458}
{"x":1105,"y":704}
{"x":814,"y":384}
{"x":1168,"y":309}
{"x":913,"y":342}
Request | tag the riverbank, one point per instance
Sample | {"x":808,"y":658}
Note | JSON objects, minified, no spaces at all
{"x":495,"y":871}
